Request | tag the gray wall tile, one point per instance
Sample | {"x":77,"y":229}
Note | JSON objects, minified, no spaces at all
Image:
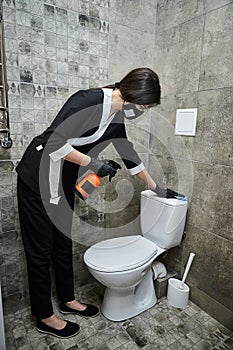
{"x":214,"y":4}
{"x":215,"y":283}
{"x":124,"y":42}
{"x":177,"y":56}
{"x":214,"y":140}
{"x":173,"y":13}
{"x":217,"y":49}
{"x":137,"y":15}
{"x":211,"y":206}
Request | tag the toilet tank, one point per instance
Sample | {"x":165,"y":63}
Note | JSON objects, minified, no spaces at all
{"x":162,"y":219}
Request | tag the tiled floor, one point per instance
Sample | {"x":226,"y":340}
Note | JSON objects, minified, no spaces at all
{"x":161,"y":327}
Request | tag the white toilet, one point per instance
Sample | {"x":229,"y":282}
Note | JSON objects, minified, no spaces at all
{"x":124,"y":264}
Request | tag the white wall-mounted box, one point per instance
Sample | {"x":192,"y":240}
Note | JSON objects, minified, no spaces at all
{"x":186,"y":120}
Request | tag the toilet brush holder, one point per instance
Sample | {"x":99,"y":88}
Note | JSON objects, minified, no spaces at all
{"x":178,"y":291}
{"x":177,"y":294}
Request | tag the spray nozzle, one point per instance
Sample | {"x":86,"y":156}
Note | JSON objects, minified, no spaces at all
{"x":114,"y":165}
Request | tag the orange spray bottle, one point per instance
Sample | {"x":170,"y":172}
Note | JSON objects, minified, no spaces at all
{"x":91,"y":181}
{"x":87,"y":185}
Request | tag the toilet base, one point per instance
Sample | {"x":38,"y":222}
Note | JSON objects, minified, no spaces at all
{"x":121,"y":304}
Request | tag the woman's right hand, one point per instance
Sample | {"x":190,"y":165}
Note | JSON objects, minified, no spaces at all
{"x":104,"y":168}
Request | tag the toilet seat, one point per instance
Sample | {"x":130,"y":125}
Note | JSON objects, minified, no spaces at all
{"x":120,"y":254}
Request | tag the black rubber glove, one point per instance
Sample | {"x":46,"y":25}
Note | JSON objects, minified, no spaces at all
{"x":114,"y":165}
{"x":106,"y":168}
{"x":166,"y":192}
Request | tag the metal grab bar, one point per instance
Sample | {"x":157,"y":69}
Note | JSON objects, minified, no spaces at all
{"x":6,"y":141}
{"x":2,"y":328}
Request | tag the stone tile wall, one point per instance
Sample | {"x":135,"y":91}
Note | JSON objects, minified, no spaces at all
{"x":53,"y":48}
{"x":201,"y":77}
{"x":188,"y":43}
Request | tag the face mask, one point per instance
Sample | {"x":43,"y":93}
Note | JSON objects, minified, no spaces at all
{"x":130,"y":111}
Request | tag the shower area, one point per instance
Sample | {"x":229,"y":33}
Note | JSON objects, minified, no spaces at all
{"x":50,"y":49}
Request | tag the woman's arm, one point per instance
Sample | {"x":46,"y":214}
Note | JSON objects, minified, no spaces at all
{"x":99,"y":167}
{"x":146,"y":178}
{"x":78,"y":158}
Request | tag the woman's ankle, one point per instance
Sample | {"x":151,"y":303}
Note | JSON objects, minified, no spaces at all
{"x":54,"y":322}
{"x":48,"y":319}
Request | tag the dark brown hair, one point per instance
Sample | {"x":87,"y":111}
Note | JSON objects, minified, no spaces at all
{"x":140,"y":86}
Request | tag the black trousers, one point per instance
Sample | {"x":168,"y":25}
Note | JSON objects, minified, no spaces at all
{"x":44,"y":243}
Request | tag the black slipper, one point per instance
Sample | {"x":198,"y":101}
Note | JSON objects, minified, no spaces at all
{"x":70,"y":330}
{"x":90,"y":311}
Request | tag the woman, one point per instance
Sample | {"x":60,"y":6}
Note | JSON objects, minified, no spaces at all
{"x":88,"y":122}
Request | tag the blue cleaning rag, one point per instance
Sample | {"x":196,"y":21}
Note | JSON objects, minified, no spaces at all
{"x":182,"y":198}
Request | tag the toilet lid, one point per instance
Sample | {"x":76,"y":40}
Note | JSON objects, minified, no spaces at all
{"x":120,"y":254}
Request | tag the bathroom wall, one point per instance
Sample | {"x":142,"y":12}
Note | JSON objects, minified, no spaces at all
{"x":189,"y":45}
{"x":199,"y":38}
{"x":54,"y":48}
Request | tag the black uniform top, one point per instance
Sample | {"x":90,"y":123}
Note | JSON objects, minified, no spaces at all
{"x":83,"y":123}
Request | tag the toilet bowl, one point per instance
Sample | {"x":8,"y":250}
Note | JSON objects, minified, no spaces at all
{"x":131,"y":258}
{"x":123,"y":264}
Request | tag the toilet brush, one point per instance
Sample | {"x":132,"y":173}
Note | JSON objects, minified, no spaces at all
{"x":190,"y":260}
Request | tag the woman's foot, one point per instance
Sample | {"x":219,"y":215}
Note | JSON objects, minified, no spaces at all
{"x":57,"y":327}
{"x":74,"y":307}
{"x":54,"y":322}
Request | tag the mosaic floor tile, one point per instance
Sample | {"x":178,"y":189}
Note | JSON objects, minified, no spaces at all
{"x":159,"y":328}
